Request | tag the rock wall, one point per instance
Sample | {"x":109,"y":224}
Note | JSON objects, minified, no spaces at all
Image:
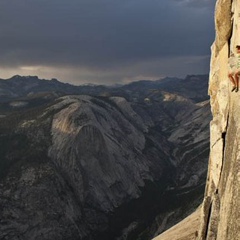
{"x":220,"y":218}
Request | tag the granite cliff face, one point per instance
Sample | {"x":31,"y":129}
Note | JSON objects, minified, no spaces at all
{"x":220,"y":217}
{"x":97,"y":149}
{"x":94,"y":167}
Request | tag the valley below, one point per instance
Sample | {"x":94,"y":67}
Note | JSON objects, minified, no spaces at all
{"x":97,"y":162}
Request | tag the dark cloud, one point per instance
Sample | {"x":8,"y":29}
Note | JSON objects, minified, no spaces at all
{"x":103,"y":38}
{"x":198,"y":3}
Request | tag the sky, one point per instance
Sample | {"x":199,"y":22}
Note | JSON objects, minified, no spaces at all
{"x":105,"y":41}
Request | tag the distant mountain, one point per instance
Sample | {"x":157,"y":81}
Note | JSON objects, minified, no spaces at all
{"x":20,"y":86}
{"x":193,"y":87}
{"x":107,"y":166}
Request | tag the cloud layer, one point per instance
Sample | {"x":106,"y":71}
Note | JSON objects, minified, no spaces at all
{"x":105,"y":41}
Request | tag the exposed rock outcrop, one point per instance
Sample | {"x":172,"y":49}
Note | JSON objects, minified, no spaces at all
{"x":185,"y":230}
{"x":94,"y":145}
{"x":220,"y":212}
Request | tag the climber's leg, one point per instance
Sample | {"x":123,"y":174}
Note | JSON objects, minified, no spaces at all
{"x":237,"y":80}
{"x":230,"y":76}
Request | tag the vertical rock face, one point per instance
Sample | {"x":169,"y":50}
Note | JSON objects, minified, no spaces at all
{"x":220,"y":212}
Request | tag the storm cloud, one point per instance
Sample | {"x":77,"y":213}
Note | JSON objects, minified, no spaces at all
{"x":105,"y":41}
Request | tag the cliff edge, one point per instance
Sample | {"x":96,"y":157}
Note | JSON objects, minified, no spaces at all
{"x":220,"y":216}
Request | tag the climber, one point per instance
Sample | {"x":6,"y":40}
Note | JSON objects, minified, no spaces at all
{"x":234,"y":65}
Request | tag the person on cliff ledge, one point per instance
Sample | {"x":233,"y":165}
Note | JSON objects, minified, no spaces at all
{"x":234,"y":66}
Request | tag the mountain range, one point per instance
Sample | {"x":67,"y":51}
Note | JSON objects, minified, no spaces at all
{"x":101,"y":162}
